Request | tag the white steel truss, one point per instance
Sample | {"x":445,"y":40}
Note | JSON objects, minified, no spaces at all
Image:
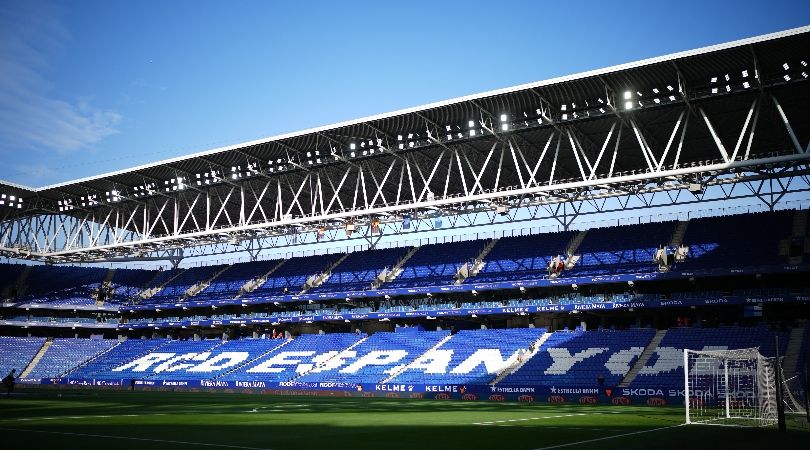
{"x":550,"y":170}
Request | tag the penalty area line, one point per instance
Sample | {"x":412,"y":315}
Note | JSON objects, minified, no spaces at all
{"x":128,"y":438}
{"x":609,"y":437}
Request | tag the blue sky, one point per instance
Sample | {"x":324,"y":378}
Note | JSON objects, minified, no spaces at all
{"x":88,"y":87}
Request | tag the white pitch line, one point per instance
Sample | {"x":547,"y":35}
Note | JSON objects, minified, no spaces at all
{"x":25,"y":419}
{"x":164,"y":441}
{"x":536,"y":418}
{"x":608,"y":437}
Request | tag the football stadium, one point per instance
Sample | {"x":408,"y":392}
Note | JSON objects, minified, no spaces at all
{"x":616,"y":258}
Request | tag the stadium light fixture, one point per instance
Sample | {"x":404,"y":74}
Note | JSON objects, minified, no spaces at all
{"x":628,"y":95}
{"x":628,"y":105}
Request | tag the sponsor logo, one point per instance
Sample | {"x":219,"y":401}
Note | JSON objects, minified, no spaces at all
{"x":587,"y":400}
{"x":469,"y":397}
{"x":391,"y":395}
{"x":395,"y":388}
{"x":526,"y":398}
{"x":608,"y":392}
{"x":175,"y":383}
{"x":671,"y":303}
{"x":416,"y":395}
{"x":251,"y":384}
{"x":591,"y":391}
{"x":215,"y":383}
{"x":656,"y":401}
{"x":496,"y":398}
{"x":442,"y":396}
{"x":643,"y":392}
{"x":621,"y":400}
{"x":438,"y":388}
{"x":556,"y":399}
{"x":512,"y":390}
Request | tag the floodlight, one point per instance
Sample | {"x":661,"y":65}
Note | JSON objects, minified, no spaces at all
{"x":504,"y":126}
{"x":787,"y":77}
{"x":628,"y":95}
{"x":472,"y":132}
{"x":745,"y":74}
{"x":472,"y":123}
{"x":503,"y":117}
{"x":628,"y":105}
{"x":352,"y":146}
{"x":786,"y":66}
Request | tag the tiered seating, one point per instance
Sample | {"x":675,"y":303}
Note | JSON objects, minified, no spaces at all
{"x":522,"y":257}
{"x":228,"y":283}
{"x":305,"y":347}
{"x":17,"y":353}
{"x":292,"y":275}
{"x":729,"y":241}
{"x":358,"y":270}
{"x":177,"y":287}
{"x":436,"y":264}
{"x":169,"y":349}
{"x":492,"y":349}
{"x":123,"y":353}
{"x":65,"y":354}
{"x":577,"y":358}
{"x":665,"y":367}
{"x":183,"y":348}
{"x":372,"y":360}
{"x":618,"y":250}
{"x":127,"y":283}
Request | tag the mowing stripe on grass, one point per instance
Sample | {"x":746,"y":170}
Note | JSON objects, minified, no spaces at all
{"x":608,"y":437}
{"x":164,"y":441}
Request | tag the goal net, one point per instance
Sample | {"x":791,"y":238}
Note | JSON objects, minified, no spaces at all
{"x":729,"y":387}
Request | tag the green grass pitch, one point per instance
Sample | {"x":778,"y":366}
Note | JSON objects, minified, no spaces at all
{"x":89,"y":420}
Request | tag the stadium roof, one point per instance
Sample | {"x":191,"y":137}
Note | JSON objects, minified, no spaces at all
{"x":563,"y":130}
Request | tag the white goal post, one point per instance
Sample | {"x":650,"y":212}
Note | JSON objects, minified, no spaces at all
{"x":729,"y":387}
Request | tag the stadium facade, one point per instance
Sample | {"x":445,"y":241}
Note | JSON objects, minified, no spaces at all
{"x":569,"y":311}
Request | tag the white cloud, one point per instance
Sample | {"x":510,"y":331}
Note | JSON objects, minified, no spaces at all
{"x":32,"y":116}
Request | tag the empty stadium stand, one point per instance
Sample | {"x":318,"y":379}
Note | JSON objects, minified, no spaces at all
{"x":17,"y":353}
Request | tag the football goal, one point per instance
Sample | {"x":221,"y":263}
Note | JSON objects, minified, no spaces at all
{"x":730,"y":387}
